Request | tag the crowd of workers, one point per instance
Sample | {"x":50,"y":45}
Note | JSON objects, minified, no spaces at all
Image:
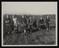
{"x":24,"y":24}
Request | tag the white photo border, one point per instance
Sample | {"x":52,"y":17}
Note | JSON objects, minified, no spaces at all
{"x":26,"y":45}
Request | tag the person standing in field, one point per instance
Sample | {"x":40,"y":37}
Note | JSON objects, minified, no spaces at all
{"x":47,"y":22}
{"x":15,"y":23}
{"x":7,"y":25}
{"x":41,"y":23}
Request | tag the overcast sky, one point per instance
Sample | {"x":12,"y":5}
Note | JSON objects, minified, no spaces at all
{"x":29,"y":7}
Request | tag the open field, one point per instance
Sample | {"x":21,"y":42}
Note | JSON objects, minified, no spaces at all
{"x":41,"y":37}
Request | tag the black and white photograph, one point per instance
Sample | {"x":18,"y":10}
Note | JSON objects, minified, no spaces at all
{"x":29,"y":24}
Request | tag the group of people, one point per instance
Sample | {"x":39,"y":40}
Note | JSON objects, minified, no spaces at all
{"x":27,"y":24}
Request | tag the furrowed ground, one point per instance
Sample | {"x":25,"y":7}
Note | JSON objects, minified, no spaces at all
{"x":41,"y":37}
